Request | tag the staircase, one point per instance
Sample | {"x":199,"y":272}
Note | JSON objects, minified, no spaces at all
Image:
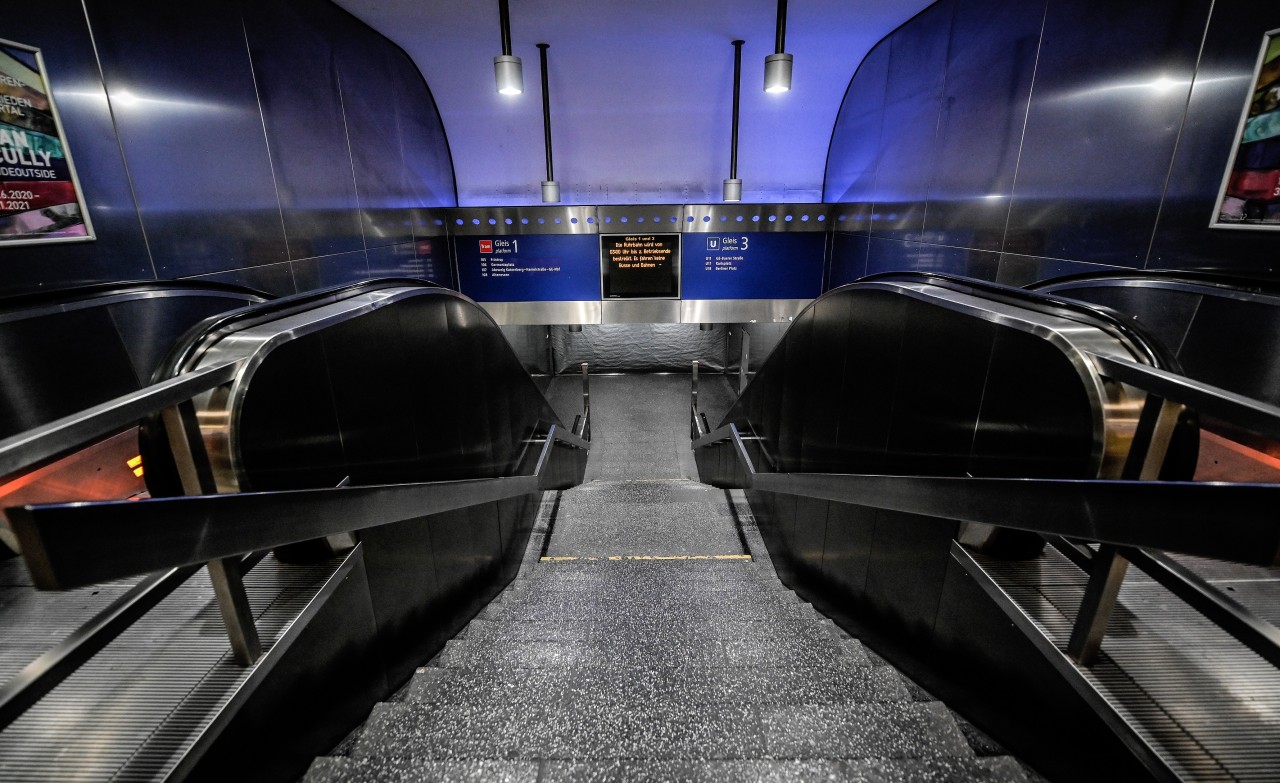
{"x":647,"y":637}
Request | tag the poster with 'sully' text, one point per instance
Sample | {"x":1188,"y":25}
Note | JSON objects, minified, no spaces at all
{"x":40,"y":197}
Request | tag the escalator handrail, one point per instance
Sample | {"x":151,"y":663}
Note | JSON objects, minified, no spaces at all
{"x":37,"y":303}
{"x":1209,"y":400}
{"x":1162,"y":515}
{"x":1099,"y":316}
{"x":60,"y":436}
{"x":213,"y":328}
{"x":76,"y":544}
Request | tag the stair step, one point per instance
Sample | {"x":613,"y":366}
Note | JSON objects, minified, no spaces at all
{"x":836,"y":682}
{"x":668,"y":630}
{"x":691,"y":730}
{"x":586,"y":612}
{"x":630,"y":651}
{"x":412,"y":770}
{"x":342,"y":769}
{"x":691,"y":583}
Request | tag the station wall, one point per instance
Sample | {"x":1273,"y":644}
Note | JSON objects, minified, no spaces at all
{"x":1014,"y":141}
{"x":282,"y":145}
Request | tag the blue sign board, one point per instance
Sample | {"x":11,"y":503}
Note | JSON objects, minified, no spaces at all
{"x":753,"y":265}
{"x":529,"y":268}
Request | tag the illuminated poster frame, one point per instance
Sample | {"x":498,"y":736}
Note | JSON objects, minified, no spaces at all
{"x":40,"y":196}
{"x":1249,"y":197}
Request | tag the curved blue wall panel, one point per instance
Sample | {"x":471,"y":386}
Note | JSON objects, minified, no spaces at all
{"x":281,"y":145}
{"x":1068,"y":135}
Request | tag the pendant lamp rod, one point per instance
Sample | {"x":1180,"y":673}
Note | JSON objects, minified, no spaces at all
{"x":546,"y":110}
{"x":504,"y":21}
{"x":733,"y":185}
{"x":550,"y":188}
{"x":737,"y":88}
{"x":780,"y":29}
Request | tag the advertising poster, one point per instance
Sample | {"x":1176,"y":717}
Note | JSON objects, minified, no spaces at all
{"x":1250,"y":193}
{"x":40,"y":198}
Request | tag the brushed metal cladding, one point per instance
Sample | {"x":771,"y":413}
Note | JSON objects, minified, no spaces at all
{"x":1111,"y":88}
{"x":210,"y":203}
{"x":714,"y":218}
{"x":59,"y":29}
{"x":543,"y":313}
{"x":728,"y":311}
{"x":640,"y":311}
{"x":640,"y":347}
{"x":1223,"y":84}
{"x":638,"y":218}
{"x":993,"y":49}
{"x":506,"y":221}
{"x":292,"y":58}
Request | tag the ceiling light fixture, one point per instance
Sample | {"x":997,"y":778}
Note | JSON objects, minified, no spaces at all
{"x":507,"y":70}
{"x":777,"y":66}
{"x":550,"y":188}
{"x":733,"y":185}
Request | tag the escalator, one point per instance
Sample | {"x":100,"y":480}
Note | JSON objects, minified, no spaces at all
{"x":956,"y":473}
{"x":63,"y":352}
{"x":359,"y":468}
{"x":908,"y":425}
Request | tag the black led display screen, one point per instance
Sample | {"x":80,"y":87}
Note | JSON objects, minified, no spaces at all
{"x":640,"y":266}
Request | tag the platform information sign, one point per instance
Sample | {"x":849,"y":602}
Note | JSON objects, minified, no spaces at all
{"x":40,"y":198}
{"x":760,"y":265}
{"x":640,"y":266}
{"x":529,"y":268}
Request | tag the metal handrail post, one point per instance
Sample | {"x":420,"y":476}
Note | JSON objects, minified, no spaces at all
{"x":1156,"y":425}
{"x":192,"y":460}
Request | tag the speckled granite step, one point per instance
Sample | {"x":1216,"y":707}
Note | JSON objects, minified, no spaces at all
{"x":638,"y":652}
{"x":665,"y":630}
{"x":597,"y":729}
{"x":416,"y":770}
{"x":831,"y":683}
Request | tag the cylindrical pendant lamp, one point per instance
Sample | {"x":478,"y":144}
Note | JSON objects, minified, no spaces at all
{"x":777,"y":66}
{"x":508,"y":72}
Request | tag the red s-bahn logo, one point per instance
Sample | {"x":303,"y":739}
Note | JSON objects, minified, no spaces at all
{"x":486,"y":246}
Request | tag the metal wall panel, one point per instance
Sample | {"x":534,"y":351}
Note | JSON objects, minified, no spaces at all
{"x":186,"y":110}
{"x":370,"y":105}
{"x":908,"y":147}
{"x":293,"y":64}
{"x":993,"y":49}
{"x":1111,"y":87}
{"x":1223,"y":83}
{"x":58,"y":28}
{"x":1117,"y":90}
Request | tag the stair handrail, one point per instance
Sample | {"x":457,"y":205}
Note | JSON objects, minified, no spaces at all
{"x":1110,"y":512}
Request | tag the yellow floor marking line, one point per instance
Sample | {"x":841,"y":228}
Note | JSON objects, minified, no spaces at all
{"x":566,"y":558}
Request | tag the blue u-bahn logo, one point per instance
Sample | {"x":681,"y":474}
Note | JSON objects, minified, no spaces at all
{"x":713,"y":243}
